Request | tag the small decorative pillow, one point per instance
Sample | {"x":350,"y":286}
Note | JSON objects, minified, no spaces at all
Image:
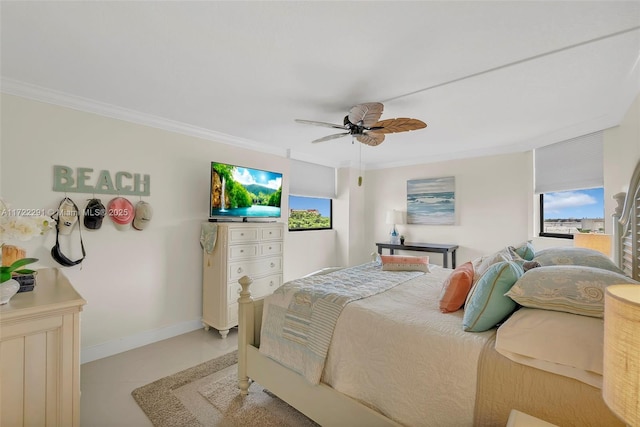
{"x":480,"y":265}
{"x":569,"y":288}
{"x":569,"y":255}
{"x":456,"y":288}
{"x":525,"y":250}
{"x":486,"y":304}
{"x":405,"y":263}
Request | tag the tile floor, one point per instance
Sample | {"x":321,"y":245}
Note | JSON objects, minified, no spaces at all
{"x":106,"y":384}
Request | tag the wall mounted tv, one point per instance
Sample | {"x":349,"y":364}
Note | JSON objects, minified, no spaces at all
{"x":239,"y":192}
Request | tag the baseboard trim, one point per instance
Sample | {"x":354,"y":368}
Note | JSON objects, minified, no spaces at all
{"x":95,"y":352}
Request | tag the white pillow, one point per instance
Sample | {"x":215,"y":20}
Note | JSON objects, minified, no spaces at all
{"x":558,"y":342}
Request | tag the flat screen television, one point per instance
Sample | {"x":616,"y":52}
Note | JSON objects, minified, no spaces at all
{"x":240,"y":192}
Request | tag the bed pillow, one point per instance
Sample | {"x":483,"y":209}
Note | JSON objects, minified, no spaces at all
{"x":563,"y":343}
{"x":456,"y":288}
{"x":525,"y":250}
{"x":569,"y":288}
{"x":575,"y":256}
{"x":482,"y":264}
{"x":486,"y":305}
{"x":405,"y":263}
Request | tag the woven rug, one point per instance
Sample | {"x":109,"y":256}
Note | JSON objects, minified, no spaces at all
{"x":207,"y":395}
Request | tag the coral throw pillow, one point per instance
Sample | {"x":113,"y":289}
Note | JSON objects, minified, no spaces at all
{"x":405,"y":263}
{"x":456,"y":288}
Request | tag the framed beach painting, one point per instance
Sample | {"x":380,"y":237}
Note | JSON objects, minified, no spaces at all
{"x":431,"y":201}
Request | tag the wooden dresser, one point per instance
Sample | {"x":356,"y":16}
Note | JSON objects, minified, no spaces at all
{"x":40,"y":354}
{"x":253,"y":249}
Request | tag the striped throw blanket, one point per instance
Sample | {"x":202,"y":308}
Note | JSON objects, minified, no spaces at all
{"x":300,"y":316}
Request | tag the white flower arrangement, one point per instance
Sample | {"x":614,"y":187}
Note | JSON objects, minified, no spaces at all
{"x":22,"y":225}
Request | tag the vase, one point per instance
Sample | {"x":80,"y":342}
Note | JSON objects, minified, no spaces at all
{"x":7,"y":290}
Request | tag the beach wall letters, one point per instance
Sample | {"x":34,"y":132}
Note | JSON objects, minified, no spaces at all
{"x":85,"y":180}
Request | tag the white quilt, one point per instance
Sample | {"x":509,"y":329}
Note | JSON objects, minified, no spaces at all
{"x":398,"y":353}
{"x":299,"y":317}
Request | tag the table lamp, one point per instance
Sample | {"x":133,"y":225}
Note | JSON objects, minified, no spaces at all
{"x":621,"y":361}
{"x":596,"y":241}
{"x":394,"y":217}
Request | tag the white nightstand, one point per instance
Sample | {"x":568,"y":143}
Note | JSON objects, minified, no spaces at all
{"x":520,"y":419}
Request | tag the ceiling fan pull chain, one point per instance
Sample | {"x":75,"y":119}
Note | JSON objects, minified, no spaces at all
{"x":360,"y":166}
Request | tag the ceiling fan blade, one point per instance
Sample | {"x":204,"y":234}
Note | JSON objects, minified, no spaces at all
{"x":327,"y":125}
{"x":327,"y":138}
{"x":369,"y":113}
{"x":398,"y":125}
{"x":371,"y":138}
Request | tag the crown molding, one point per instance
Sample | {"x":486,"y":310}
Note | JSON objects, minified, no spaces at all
{"x":38,"y":93}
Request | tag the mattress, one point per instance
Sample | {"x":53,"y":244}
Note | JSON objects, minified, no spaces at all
{"x":396,"y":352}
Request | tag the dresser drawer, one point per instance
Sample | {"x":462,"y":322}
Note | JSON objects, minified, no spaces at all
{"x":242,"y":251}
{"x":242,"y":235}
{"x":265,"y":286}
{"x":258,"y":267}
{"x":268,"y":233}
{"x":271,"y":248}
{"x":259,"y":288}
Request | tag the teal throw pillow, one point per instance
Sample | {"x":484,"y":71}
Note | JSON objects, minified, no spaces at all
{"x":486,"y":304}
{"x":525,"y":250}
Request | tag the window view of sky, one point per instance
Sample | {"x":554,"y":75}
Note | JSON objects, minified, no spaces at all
{"x":574,"y":204}
{"x":303,"y":203}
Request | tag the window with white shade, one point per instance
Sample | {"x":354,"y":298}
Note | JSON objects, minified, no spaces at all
{"x":312,"y":188}
{"x":569,"y":180}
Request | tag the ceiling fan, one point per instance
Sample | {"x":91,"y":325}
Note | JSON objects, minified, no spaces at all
{"x":364,"y":124}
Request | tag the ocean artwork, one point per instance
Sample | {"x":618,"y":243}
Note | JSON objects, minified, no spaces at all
{"x":431,"y":201}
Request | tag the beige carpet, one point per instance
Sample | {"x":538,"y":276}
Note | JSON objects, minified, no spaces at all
{"x":207,"y":395}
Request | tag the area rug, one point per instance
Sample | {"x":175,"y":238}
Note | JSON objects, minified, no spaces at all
{"x":207,"y":395}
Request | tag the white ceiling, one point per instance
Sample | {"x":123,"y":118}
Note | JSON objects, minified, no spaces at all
{"x":487,"y":77}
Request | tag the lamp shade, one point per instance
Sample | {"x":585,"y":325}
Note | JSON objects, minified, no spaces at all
{"x":595,"y":241}
{"x":621,"y":361}
{"x":394,"y":217}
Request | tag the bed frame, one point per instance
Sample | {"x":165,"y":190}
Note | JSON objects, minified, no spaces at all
{"x":329,"y":407}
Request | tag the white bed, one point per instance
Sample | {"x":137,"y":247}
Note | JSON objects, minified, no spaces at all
{"x":396,"y":360}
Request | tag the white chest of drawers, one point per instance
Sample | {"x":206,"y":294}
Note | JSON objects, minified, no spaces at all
{"x":251,"y":249}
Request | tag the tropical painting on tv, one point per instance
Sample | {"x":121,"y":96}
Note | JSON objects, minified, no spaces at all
{"x":243,"y":192}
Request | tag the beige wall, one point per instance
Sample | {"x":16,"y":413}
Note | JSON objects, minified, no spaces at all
{"x":146,"y":286}
{"x":492,"y":203}
{"x":495,"y":203}
{"x":140,"y":286}
{"x":621,"y":155}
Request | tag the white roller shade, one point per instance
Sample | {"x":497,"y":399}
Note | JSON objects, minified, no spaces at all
{"x":570,"y":165}
{"x":312,"y":180}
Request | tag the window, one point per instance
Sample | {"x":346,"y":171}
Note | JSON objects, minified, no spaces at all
{"x":569,"y":180}
{"x":309,"y":213}
{"x":564,"y":213}
{"x":311,"y":191}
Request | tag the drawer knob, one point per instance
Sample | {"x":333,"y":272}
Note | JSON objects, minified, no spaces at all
{"x":270,"y":283}
{"x":242,"y":234}
{"x":241,"y":250}
{"x":239,"y":270}
{"x":270,"y":232}
{"x":272,"y":265}
{"x":269,"y":247}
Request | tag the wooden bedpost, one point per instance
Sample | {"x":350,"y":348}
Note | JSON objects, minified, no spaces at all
{"x":245,"y":332}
